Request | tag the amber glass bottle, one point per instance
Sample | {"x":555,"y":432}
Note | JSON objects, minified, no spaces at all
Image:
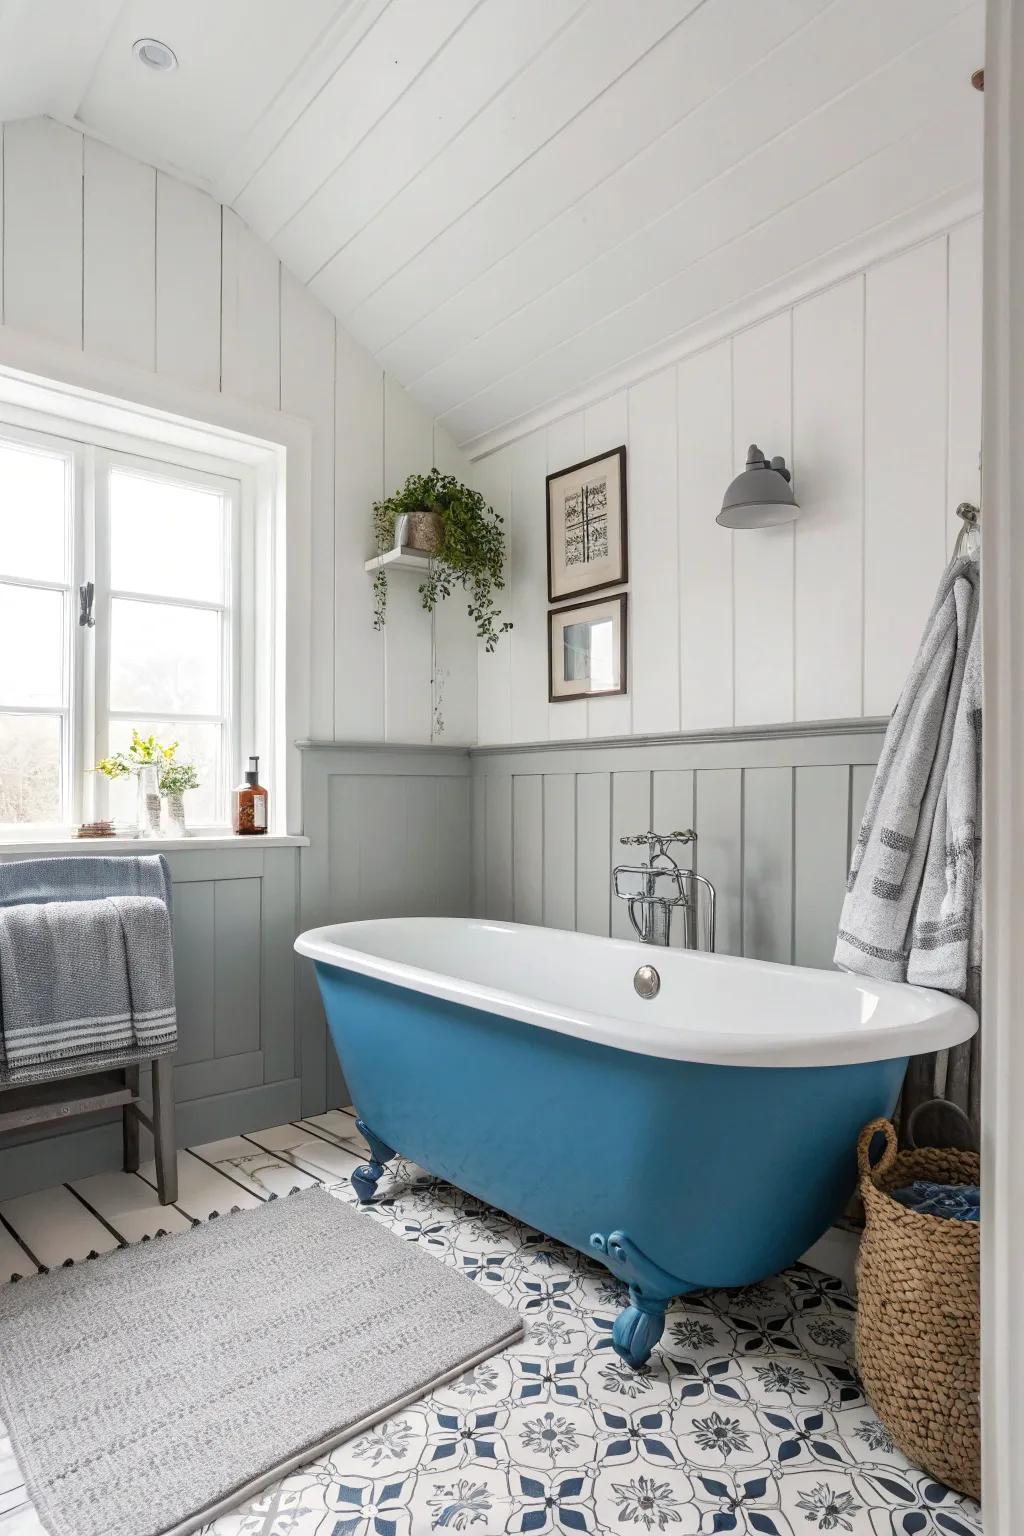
{"x":250,"y":803}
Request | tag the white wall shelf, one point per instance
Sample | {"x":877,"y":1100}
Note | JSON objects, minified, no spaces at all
{"x":399,"y":560}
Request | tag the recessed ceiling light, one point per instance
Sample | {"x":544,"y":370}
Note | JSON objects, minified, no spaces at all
{"x":154,"y":54}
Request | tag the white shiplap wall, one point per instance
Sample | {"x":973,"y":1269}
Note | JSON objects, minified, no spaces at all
{"x":872,"y":390}
{"x":105,"y":254}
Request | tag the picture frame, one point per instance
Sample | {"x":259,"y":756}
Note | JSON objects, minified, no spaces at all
{"x":587,"y":528}
{"x":588,"y":649}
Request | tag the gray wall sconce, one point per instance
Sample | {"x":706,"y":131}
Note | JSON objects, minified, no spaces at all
{"x":761,"y":496}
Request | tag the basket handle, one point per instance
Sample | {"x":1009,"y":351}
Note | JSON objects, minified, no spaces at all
{"x":877,"y":1170}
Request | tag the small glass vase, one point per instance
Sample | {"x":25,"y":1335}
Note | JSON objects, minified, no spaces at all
{"x":176,"y":816}
{"x":148,"y":812}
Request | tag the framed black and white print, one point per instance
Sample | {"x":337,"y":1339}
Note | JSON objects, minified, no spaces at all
{"x":587,"y":545}
{"x":587,"y":649}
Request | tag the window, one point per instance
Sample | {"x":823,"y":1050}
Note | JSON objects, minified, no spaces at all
{"x":163,"y":545}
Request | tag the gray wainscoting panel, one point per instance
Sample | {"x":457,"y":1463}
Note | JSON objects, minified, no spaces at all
{"x":775,"y":812}
{"x":235,"y":915}
{"x":391,"y":834}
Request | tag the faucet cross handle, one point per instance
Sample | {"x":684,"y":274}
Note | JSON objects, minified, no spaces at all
{"x":659,"y":842}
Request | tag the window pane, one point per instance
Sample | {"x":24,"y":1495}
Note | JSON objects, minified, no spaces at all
{"x":198,"y":742}
{"x":30,"y":768}
{"x":31,"y":646}
{"x":166,"y":539}
{"x":33,"y":513}
{"x":164,"y":659}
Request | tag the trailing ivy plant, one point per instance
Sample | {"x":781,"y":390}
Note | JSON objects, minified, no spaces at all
{"x":471,"y":552}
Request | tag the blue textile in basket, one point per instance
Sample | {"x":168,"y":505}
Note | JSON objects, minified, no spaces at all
{"x":958,"y":1202}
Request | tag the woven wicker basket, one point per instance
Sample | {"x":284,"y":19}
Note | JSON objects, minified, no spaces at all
{"x":918,"y":1313}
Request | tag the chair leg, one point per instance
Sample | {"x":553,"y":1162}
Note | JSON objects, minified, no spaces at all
{"x":130,"y":1125}
{"x":163,"y":1130}
{"x":130,"y":1136}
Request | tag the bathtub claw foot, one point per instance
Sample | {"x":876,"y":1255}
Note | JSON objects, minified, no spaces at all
{"x":367,"y":1176}
{"x":640,"y":1325}
{"x":638,"y":1328}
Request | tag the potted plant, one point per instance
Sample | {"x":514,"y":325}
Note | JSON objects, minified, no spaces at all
{"x":463,"y":537}
{"x":175,"y":779}
{"x":144,"y":759}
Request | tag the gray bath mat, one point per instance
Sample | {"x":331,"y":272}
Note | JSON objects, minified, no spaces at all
{"x":151,"y":1389}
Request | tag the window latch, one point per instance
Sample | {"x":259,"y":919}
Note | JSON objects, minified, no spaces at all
{"x":86,"y":593}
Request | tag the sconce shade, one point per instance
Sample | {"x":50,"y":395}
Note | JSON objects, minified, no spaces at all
{"x":761,"y":496}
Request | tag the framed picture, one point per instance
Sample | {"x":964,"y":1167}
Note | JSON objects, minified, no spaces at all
{"x":587,"y":547}
{"x":587,"y":649}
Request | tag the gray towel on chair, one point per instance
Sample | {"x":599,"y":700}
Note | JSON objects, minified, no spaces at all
{"x":912,"y":909}
{"x":81,"y":981}
{"x":84,"y":877}
{"x":63,"y":983}
{"x":146,"y":927}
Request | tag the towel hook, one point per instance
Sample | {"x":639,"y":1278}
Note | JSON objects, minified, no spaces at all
{"x":969,"y":538}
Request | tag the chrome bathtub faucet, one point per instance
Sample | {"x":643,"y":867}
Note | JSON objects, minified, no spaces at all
{"x":654,"y":891}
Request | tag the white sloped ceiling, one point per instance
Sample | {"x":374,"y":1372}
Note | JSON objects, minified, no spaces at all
{"x":505,"y":200}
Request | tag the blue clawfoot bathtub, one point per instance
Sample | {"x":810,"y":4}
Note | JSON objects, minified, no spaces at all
{"x":703,"y":1138}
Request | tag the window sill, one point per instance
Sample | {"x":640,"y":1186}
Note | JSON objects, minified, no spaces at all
{"x":210,"y":842}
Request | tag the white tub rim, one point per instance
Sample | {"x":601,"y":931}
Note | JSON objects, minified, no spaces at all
{"x":930,"y":1020}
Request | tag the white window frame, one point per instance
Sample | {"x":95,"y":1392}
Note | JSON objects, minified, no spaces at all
{"x":91,"y":454}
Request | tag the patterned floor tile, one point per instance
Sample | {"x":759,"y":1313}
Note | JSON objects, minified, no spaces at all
{"x":749,"y":1418}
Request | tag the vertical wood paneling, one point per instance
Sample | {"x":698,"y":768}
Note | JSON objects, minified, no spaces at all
{"x":828,"y":457}
{"x":654,"y":554}
{"x":479,"y":839}
{"x":119,"y":288}
{"x":862,"y":776}
{"x":768,"y":863}
{"x":704,"y":391}
{"x":559,"y":850}
{"x":606,"y":425}
{"x":763,"y":557}
{"x":358,"y":483}
{"x":43,"y":229}
{"x":631,"y":814}
{"x":237,"y":967}
{"x":905,"y":515}
{"x":194,"y":928}
{"x":593,"y":847}
{"x":529,"y":679}
{"x":307,"y":390}
{"x":528,"y":847}
{"x":719,"y":854}
{"x":672,"y":811}
{"x":493,"y":479}
{"x":567,"y":719}
{"x":499,"y":848}
{"x":455,"y":632}
{"x":408,"y":446}
{"x":188,"y":284}
{"x":672,"y":806}
{"x":965,"y":285}
{"x":453,"y":845}
{"x":250,"y":316}
{"x":821,"y":834}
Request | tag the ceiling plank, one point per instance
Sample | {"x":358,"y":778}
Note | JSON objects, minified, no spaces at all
{"x":880,"y":110}
{"x":495,"y":43}
{"x":939,"y":162}
{"x":742,"y":93}
{"x":379,"y":70}
{"x":602,"y":42}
